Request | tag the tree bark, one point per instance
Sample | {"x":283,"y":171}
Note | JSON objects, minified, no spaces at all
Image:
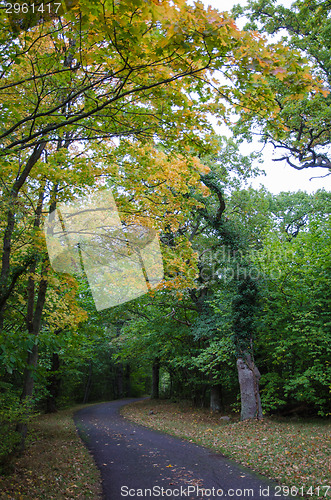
{"x":216,"y":398}
{"x":249,"y":377}
{"x":53,"y":386}
{"x":171,"y":389}
{"x":127,"y":381}
{"x":119,"y":381}
{"x":32,"y":359}
{"x":155,"y":378}
{"x":5,"y":286}
{"x":33,"y":320}
{"x":88,"y":383}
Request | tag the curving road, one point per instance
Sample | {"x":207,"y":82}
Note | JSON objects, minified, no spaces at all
{"x":137,"y":462}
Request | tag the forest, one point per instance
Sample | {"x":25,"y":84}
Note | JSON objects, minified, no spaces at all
{"x":115,"y":100}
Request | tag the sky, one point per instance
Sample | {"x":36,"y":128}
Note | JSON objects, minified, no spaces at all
{"x":280,"y":176}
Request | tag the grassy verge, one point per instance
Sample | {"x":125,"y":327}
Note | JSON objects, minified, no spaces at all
{"x":55,"y":464}
{"x":292,"y":452}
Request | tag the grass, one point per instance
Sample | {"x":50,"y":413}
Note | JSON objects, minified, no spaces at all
{"x":55,"y":464}
{"x":295,"y":453}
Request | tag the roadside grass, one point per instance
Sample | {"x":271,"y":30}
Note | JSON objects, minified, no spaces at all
{"x":295,"y":453}
{"x":55,"y":464}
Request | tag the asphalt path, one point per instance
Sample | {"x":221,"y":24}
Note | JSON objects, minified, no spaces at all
{"x":136,"y":462}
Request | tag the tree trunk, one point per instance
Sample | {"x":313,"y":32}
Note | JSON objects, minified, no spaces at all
{"x":88,"y":383}
{"x":32,"y":361}
{"x":119,"y":381}
{"x":216,"y":398}
{"x":249,"y":377}
{"x":27,"y":391}
{"x":6,"y":288}
{"x":127,"y":381}
{"x":53,"y":385}
{"x":171,"y":389}
{"x":34,"y":314}
{"x":199,"y":395}
{"x":155,"y":378}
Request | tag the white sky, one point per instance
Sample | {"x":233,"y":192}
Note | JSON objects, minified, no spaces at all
{"x":280,"y":176}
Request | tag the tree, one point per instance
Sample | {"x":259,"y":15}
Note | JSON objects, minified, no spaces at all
{"x":293,"y":332}
{"x":305,"y":139}
{"x":65,"y":95}
{"x":207,"y":229}
{"x":89,"y":94}
{"x":288,"y":235}
{"x":244,"y":298}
